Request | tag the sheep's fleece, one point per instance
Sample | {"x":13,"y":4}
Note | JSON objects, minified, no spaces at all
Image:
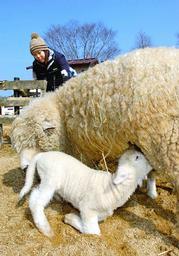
{"x":132,"y":99}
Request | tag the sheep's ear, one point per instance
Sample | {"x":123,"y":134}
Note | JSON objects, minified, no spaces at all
{"x":47,"y":125}
{"x":118,"y":179}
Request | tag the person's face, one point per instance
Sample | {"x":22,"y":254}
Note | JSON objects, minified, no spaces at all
{"x":40,"y":56}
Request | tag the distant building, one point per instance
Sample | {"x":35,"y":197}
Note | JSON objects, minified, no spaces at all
{"x":7,"y":111}
{"x":81,"y":65}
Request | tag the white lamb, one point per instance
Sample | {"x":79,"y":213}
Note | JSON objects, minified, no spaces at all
{"x":94,"y":193}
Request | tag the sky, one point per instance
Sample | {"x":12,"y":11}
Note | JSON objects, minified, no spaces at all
{"x":159,"y":19}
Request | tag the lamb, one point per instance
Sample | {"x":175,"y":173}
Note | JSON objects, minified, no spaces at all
{"x":95,"y":193}
{"x":130,"y":100}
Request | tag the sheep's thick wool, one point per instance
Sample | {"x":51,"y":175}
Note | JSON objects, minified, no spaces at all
{"x":133,"y":99}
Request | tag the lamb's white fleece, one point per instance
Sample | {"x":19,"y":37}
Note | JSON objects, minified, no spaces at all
{"x":95,"y":193}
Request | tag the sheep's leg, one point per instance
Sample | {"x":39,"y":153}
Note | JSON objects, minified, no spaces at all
{"x":74,"y":220}
{"x":151,"y":185}
{"x":39,"y":198}
{"x":90,"y":222}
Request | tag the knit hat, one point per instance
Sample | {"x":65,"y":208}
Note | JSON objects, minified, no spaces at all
{"x":37,"y":43}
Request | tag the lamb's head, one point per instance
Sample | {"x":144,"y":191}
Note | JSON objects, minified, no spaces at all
{"x":132,"y":161}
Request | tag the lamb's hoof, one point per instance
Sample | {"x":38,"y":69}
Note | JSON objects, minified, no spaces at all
{"x":91,"y":229}
{"x":20,"y":202}
{"x":92,"y":232}
{"x":45,"y":229}
{"x":49,"y":233}
{"x":152,"y":195}
{"x":21,"y":195}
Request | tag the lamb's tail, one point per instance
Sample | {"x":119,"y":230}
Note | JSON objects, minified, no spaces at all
{"x":29,"y":177}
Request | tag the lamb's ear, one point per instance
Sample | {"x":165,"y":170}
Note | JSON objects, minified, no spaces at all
{"x":47,"y":125}
{"x":120,"y":178}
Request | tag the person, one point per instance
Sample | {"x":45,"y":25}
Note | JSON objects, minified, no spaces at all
{"x":49,"y":64}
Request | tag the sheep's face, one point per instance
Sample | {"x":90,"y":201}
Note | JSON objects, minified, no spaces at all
{"x":45,"y":138}
{"x":29,"y":137}
{"x":38,"y":127}
{"x":131,"y":160}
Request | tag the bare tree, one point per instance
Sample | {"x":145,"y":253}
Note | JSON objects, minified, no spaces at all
{"x":89,"y":40}
{"x":142,"y":40}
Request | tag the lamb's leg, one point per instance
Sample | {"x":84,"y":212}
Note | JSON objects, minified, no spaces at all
{"x":103,"y":215}
{"x":74,"y":220}
{"x":151,"y":185}
{"x":90,"y":222}
{"x":39,"y":198}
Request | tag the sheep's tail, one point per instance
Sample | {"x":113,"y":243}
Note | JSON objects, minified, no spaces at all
{"x":29,"y":177}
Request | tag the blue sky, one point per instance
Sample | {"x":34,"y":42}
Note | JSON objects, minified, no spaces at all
{"x":18,"y":19}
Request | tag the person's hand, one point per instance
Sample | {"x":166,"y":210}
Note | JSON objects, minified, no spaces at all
{"x":64,"y":73}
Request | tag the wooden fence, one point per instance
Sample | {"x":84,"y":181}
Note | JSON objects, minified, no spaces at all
{"x":20,"y":89}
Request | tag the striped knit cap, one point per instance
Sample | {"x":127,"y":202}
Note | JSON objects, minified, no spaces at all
{"x":37,"y":43}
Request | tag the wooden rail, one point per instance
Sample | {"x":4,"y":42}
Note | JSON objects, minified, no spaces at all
{"x":20,"y":88}
{"x":23,"y":84}
{"x":14,"y":101}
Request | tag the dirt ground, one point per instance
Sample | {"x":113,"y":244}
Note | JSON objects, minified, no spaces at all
{"x":141,"y":227}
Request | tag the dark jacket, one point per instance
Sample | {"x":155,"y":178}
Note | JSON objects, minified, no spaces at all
{"x":52,"y":70}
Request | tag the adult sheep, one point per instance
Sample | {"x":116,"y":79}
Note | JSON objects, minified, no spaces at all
{"x":132,"y":99}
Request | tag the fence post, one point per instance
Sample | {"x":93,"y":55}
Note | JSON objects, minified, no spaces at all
{"x":16,"y":94}
{"x":1,"y":129}
{"x":0,"y":110}
{"x":1,"y":135}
